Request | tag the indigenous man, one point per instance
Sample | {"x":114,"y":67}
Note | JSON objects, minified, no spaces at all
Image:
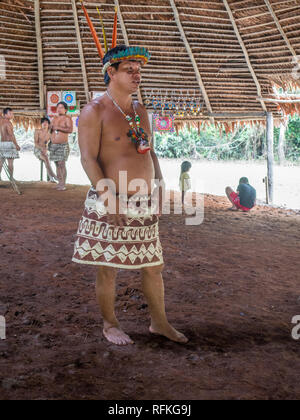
{"x":113,"y":138}
{"x":41,"y":140}
{"x":9,"y":147}
{"x":60,"y":128}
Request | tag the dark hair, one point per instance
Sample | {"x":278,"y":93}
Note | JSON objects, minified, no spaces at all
{"x":6,"y":111}
{"x":185,"y":166}
{"x":108,"y":57}
{"x":64,"y":104}
{"x":44,"y":119}
{"x":244,"y":180}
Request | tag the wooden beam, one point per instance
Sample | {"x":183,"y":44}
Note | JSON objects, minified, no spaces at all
{"x":240,"y":115}
{"x":192,"y":58}
{"x":125,"y":36}
{"x":282,"y":101}
{"x":80,"y":49}
{"x":237,"y":32}
{"x":270,"y":157}
{"x":289,"y":45}
{"x":39,"y":52}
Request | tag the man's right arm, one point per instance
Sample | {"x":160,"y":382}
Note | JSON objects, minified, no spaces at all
{"x":89,"y":136}
{"x":11,"y":133}
{"x":36,"y":139}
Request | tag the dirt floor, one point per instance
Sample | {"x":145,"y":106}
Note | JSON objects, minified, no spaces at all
{"x":232,"y":286}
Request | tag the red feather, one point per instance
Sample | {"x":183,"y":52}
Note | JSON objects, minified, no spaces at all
{"x":93,"y":32}
{"x":114,"y":38}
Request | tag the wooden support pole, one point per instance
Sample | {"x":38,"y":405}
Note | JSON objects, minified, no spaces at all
{"x":125,"y":36}
{"x":42,"y":171}
{"x":270,"y":157}
{"x":282,"y":141}
{"x":39,"y":52}
{"x":192,"y":58}
{"x":81,"y":55}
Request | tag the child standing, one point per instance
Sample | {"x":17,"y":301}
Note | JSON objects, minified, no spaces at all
{"x":185,"y":180}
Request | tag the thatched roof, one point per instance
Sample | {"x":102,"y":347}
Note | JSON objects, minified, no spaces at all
{"x":226,"y":52}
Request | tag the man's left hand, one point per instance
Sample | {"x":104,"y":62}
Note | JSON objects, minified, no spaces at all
{"x":158,"y":198}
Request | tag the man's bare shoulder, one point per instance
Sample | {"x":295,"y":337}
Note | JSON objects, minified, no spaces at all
{"x":8,"y":123}
{"x":141,"y":108}
{"x":94,"y":109}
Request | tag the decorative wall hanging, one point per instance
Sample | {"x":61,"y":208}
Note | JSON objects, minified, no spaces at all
{"x":163,"y":124}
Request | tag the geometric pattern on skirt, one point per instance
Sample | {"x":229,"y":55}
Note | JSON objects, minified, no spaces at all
{"x":59,"y":152}
{"x":133,"y":246}
{"x":8,"y":150}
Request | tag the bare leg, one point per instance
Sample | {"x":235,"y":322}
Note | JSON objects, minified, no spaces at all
{"x":62,"y":175}
{"x":153,"y":288}
{"x":105,"y":292}
{"x":1,"y":165}
{"x":50,"y":172}
{"x":182,"y":197}
{"x":229,"y":191}
{"x":10,"y":163}
{"x":57,"y":172}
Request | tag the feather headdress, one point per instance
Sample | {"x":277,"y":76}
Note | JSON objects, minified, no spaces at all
{"x":128,"y":53}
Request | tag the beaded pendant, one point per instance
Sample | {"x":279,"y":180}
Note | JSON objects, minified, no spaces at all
{"x":138,"y":135}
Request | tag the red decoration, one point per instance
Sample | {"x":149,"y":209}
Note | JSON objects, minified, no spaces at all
{"x":164,"y":124}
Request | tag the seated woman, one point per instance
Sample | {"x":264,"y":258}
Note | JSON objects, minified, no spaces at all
{"x":41,"y":140}
{"x":245,"y":197}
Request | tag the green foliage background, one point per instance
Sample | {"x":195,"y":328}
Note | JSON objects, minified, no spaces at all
{"x":247,"y":143}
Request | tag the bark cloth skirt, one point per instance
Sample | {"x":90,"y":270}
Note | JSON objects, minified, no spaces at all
{"x":8,"y":150}
{"x":133,"y":246}
{"x":59,"y":152}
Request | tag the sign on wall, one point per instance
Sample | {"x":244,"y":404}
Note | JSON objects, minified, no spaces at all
{"x":53,"y":98}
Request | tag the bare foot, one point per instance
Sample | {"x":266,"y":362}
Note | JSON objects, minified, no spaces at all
{"x":233,"y":209}
{"x":169,"y":332}
{"x":53,"y":179}
{"x":60,"y":188}
{"x":117,"y":336}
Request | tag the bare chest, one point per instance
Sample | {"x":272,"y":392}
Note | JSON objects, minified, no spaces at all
{"x":43,"y":137}
{"x":117,"y":132}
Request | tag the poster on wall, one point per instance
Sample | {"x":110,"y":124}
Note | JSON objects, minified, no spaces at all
{"x":163,"y":124}
{"x":69,"y":97}
{"x":53,"y":98}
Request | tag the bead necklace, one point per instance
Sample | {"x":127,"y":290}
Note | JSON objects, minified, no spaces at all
{"x":137,"y":135}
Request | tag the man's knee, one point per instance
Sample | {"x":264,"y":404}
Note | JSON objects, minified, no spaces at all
{"x":106,"y":273}
{"x":153,"y":271}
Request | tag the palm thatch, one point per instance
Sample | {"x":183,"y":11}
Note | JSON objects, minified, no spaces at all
{"x":227,"y":53}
